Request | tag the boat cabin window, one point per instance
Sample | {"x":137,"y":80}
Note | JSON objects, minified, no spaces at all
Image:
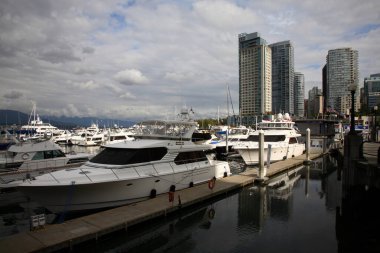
{"x":190,"y":157}
{"x":116,"y":138}
{"x":123,"y":156}
{"x":293,"y":140}
{"x":40,"y":155}
{"x":267,"y":138}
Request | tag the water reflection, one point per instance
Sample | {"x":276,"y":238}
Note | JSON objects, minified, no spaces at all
{"x":302,"y":210}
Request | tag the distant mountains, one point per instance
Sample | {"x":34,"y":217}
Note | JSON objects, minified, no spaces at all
{"x":11,"y":117}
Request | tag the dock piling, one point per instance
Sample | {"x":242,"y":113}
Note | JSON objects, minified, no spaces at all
{"x":307,"y":160}
{"x":262,"y":169}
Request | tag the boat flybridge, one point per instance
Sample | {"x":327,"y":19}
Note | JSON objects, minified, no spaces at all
{"x":280,"y":137}
{"x":162,"y":158}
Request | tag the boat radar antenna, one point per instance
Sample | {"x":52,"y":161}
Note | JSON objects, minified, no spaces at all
{"x":186,"y":114}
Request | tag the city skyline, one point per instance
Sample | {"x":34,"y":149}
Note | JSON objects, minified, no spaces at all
{"x":142,"y":59}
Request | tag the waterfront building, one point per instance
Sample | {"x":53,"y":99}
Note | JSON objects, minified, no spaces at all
{"x":255,"y":77}
{"x":342,"y":71}
{"x":315,"y":103}
{"x":299,"y":94}
{"x":324,"y":87}
{"x":282,"y":77}
{"x":371,"y":92}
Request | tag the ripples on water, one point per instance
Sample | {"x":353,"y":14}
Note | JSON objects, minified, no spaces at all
{"x":299,"y":211}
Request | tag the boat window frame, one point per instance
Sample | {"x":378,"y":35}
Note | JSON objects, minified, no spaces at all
{"x":127,"y":156}
{"x":190,"y":157}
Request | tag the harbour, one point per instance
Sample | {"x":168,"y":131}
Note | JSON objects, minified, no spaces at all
{"x":74,"y":226}
{"x":94,"y":226}
{"x":283,"y":210}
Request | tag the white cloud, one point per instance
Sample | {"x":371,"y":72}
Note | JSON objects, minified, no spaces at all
{"x":87,"y":85}
{"x":185,"y":52}
{"x":131,"y":77}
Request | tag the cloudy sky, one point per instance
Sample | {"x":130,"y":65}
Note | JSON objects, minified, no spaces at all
{"x":146,"y":59}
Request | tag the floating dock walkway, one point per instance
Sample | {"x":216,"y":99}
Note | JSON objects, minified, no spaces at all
{"x":72,"y":232}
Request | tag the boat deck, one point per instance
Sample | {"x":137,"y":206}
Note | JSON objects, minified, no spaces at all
{"x":68,"y":234}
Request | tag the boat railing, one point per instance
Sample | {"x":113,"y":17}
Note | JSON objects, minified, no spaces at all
{"x":139,"y":171}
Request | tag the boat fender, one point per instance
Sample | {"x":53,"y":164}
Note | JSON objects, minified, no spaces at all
{"x":171,"y":193}
{"x":153,"y":193}
{"x":211,"y":213}
{"x":211,"y":183}
{"x":25,"y":156}
{"x":191,"y":184}
{"x":171,"y":196}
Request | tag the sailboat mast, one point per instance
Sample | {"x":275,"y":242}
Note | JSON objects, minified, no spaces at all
{"x":228,"y":115}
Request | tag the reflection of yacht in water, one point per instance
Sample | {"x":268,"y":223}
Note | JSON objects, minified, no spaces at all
{"x":166,"y":237}
{"x":280,"y":187}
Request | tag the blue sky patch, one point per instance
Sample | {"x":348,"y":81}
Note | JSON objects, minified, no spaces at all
{"x":366,"y":29}
{"x":117,"y":21}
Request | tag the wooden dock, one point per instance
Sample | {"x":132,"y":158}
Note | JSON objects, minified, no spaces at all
{"x":66,"y":235}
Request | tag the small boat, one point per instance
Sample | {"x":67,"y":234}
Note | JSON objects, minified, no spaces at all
{"x":63,"y":138}
{"x":162,"y":158}
{"x":6,"y":140}
{"x":38,"y":156}
{"x":36,"y":125}
{"x":94,"y":140}
{"x":235,"y":135}
{"x":280,"y":137}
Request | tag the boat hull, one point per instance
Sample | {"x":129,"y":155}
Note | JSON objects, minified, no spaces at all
{"x":250,"y":155}
{"x":95,"y":195}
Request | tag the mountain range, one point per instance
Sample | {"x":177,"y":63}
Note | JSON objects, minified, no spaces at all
{"x":11,"y":117}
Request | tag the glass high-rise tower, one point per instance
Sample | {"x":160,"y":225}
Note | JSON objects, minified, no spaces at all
{"x":282,"y":77}
{"x":342,"y":71}
{"x":255,"y":77}
{"x":299,"y":94}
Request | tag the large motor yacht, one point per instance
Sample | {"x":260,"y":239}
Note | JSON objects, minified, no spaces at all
{"x":162,"y":158}
{"x":280,"y":137}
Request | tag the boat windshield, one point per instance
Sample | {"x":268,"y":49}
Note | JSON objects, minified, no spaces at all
{"x":267,"y":138}
{"x":166,"y":129}
{"x":276,"y":125}
{"x":124,"y":156}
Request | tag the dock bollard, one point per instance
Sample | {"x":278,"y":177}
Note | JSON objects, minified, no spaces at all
{"x":378,"y":156}
{"x":262,"y":169}
{"x":307,"y":160}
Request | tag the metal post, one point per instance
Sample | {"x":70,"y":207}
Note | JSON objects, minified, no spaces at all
{"x":352,"y":127}
{"x":307,"y":160}
{"x":261,"y":154}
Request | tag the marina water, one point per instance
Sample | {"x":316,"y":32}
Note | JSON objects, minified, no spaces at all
{"x":297,"y":212}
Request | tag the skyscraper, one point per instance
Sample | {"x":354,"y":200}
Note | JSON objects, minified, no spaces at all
{"x":371,"y":92}
{"x":299,"y":94}
{"x":342,"y":71}
{"x":282,"y":77}
{"x":255,"y":77}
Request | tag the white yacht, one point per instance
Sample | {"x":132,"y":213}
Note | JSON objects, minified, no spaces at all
{"x":37,"y":126}
{"x":38,"y":155}
{"x":280,"y":134}
{"x":235,"y":135}
{"x":118,"y":135}
{"x":93,"y":140}
{"x":162,"y":158}
{"x":63,"y":138}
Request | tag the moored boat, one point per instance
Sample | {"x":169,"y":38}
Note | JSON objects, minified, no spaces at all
{"x":162,"y":158}
{"x":280,"y":137}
